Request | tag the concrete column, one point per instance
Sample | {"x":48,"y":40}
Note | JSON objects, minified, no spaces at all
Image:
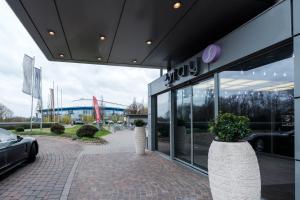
{"x":151,"y":121}
{"x":296,"y":17}
{"x":149,"y":124}
{"x":297,"y":148}
{"x":296,"y":27}
{"x":297,"y":185}
{"x":172,"y":96}
{"x":149,"y":136}
{"x":216,"y":93}
{"x":297,"y":65}
{"x":297,"y":129}
{"x":297,"y":112}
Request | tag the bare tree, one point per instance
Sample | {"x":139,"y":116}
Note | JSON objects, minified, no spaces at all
{"x":133,"y":107}
{"x":136,"y":108}
{"x":5,"y":112}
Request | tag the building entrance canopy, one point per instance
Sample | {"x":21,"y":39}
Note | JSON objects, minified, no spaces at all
{"x":139,"y":33}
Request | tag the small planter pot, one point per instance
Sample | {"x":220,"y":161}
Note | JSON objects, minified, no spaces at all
{"x":140,"y":140}
{"x":233,"y":171}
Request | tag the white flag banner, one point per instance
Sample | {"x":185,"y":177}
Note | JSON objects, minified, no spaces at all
{"x":51,"y":98}
{"x":37,"y":83}
{"x":28,"y":63}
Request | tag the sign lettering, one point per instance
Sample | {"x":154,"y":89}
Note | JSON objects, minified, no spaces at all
{"x":193,"y":68}
{"x":190,"y":69}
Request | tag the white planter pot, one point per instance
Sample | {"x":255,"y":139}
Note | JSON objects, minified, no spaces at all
{"x":233,"y":171}
{"x":140,"y":140}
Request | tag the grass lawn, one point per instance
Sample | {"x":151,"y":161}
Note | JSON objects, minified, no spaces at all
{"x":70,"y":133}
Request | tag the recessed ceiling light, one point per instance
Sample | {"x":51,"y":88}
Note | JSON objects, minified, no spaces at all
{"x":149,"y":42}
{"x":102,"y":37}
{"x":61,"y":55}
{"x":51,"y":33}
{"x":134,"y":61}
{"x":99,"y":58}
{"x":177,"y":5}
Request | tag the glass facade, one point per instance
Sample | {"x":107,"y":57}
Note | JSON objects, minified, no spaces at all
{"x":203,"y":113}
{"x":263,"y":90}
{"x":182,"y":134}
{"x":194,"y":111}
{"x":162,"y":136}
{"x":265,"y":94}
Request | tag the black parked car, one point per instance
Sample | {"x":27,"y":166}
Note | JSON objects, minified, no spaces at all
{"x":15,"y":150}
{"x":281,"y":143}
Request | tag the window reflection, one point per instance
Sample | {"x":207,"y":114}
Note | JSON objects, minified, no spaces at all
{"x":203,"y":113}
{"x":265,"y":94}
{"x":162,"y":138}
{"x":182,"y":135}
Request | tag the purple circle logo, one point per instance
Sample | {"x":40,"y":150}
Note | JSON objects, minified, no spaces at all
{"x":211,"y":53}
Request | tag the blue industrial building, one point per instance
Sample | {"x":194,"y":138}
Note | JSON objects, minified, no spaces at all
{"x":76,"y":112}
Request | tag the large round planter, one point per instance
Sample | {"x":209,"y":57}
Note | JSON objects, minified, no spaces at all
{"x":233,"y":171}
{"x":140,"y":140}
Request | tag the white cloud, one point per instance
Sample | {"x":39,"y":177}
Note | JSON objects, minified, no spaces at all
{"x":116,"y":84}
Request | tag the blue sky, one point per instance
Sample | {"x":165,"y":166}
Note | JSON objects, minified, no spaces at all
{"x":116,"y":84}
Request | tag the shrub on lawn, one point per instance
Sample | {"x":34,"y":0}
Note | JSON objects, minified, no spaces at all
{"x":57,"y":129}
{"x":20,"y":129}
{"x":86,"y":131}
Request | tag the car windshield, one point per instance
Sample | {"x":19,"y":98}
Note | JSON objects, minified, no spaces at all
{"x":6,"y":135}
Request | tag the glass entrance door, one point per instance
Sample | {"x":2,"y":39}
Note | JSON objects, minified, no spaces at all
{"x":162,"y":133}
{"x":194,"y":111}
{"x":182,"y":134}
{"x":203,"y":114}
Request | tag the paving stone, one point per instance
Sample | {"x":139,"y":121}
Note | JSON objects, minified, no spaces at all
{"x":37,"y":180}
{"x":107,"y":172}
{"x":128,"y":176}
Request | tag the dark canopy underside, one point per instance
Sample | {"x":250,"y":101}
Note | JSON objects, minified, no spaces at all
{"x":128,"y":24}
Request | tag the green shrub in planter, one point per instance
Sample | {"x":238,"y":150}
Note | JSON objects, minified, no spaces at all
{"x":230,"y":128}
{"x":57,"y":129}
{"x":86,"y":131}
{"x":139,"y":123}
{"x":20,"y":129}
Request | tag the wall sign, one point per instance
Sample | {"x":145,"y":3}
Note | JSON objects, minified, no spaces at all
{"x":211,"y":53}
{"x":191,"y":69}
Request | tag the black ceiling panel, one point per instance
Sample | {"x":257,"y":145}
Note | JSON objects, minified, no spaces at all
{"x":44,"y":16}
{"x":144,"y":20}
{"x":84,"y":21}
{"x":127,"y":24}
{"x":206,"y":22}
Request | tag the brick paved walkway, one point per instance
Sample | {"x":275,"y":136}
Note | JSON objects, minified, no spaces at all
{"x":110,"y":171}
{"x":128,"y":176}
{"x":46,"y":177}
{"x":121,"y":141}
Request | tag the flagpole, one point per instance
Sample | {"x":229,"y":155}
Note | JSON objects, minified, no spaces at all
{"x":61,"y":101}
{"x":57,"y":103}
{"x":41,"y":99}
{"x":32,"y":79}
{"x":53,"y":104}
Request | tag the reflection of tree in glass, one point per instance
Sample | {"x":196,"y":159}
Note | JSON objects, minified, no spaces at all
{"x":264,"y":108}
